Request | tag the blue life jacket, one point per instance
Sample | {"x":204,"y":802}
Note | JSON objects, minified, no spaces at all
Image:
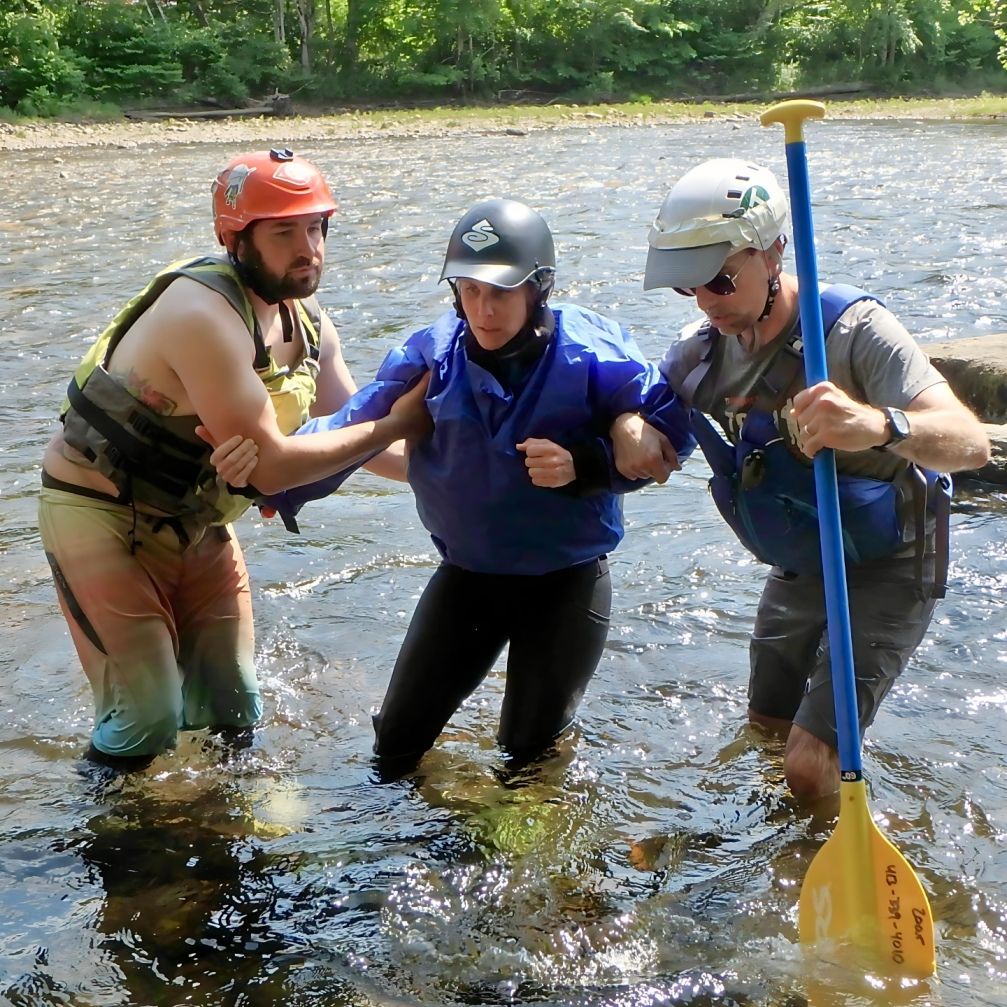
{"x":767,"y":494}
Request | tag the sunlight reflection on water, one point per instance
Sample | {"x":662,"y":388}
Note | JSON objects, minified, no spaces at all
{"x":657,"y":859}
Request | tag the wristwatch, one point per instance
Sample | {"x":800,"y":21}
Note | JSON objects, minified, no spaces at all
{"x":898,"y":426}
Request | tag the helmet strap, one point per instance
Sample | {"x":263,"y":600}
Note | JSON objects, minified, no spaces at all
{"x":774,"y":280}
{"x":774,"y":289}
{"x":544,"y":278}
{"x":457,"y":298}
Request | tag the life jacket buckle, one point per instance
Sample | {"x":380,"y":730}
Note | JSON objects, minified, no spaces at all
{"x":142,"y":425}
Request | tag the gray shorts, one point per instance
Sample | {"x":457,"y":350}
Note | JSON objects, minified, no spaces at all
{"x":789,"y":650}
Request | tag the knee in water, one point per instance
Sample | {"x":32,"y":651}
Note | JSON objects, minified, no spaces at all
{"x":138,"y":738}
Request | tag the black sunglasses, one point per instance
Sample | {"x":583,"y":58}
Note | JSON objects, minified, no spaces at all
{"x":722,"y":284}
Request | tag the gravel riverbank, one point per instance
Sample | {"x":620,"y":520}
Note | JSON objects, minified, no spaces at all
{"x":298,"y":129}
{"x":519,"y":119}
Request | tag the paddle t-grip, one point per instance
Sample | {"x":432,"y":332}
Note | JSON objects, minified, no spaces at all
{"x":792,"y":115}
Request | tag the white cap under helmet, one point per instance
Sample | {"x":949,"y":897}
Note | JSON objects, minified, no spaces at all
{"x":712,"y":211}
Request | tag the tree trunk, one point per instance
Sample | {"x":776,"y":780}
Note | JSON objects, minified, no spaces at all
{"x":279,"y":26}
{"x":472,"y":67}
{"x":153,"y":5}
{"x":771,"y":13}
{"x":351,"y":39}
{"x":197,"y":9}
{"x":306,"y":16}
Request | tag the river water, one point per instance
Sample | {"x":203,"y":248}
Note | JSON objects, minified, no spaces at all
{"x":657,"y":858}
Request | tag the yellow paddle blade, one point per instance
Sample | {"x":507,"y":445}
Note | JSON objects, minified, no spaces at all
{"x":860,"y":890}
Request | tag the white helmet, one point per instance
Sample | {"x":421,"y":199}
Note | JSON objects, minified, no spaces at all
{"x":712,"y":211}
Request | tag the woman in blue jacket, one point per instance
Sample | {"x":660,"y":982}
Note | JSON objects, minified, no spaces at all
{"x":515,"y":484}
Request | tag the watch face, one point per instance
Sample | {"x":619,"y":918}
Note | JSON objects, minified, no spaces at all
{"x":899,"y":424}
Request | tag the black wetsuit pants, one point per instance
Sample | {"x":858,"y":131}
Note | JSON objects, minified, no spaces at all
{"x":556,"y":625}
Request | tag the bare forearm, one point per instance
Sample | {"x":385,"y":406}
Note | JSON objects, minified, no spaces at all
{"x":942,"y":434}
{"x":391,"y":463}
{"x":947,"y":440}
{"x":294,"y":461}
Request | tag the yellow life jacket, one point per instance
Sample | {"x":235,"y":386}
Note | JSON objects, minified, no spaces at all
{"x":159,"y":460}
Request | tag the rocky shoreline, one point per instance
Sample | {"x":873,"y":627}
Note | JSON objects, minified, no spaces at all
{"x":126,"y":134}
{"x":361,"y":123}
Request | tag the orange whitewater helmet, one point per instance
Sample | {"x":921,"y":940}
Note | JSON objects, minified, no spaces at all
{"x":264,"y":185}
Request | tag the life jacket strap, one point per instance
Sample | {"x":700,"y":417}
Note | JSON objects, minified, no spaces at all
{"x":51,"y":482}
{"x":687,"y":393}
{"x":146,"y":427}
{"x":173,"y":475}
{"x":943,"y":491}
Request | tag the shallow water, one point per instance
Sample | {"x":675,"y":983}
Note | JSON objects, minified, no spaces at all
{"x":657,"y":858}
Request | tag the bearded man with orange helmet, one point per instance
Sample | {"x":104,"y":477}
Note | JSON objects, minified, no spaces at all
{"x":133,"y":519}
{"x":895,"y":425}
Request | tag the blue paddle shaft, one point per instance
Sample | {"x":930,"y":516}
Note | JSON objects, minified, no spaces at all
{"x":837,"y":606}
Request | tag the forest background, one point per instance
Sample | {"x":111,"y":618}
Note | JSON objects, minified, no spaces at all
{"x":92,"y":58}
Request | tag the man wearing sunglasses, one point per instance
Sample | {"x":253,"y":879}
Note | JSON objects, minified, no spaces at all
{"x":893,"y":421}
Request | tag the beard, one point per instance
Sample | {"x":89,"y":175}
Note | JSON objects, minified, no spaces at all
{"x":275,"y":287}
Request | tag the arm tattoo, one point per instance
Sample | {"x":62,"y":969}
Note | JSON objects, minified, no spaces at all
{"x":140,"y":388}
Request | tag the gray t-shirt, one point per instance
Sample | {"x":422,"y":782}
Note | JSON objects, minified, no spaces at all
{"x":869,"y":355}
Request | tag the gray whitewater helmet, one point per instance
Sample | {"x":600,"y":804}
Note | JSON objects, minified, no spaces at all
{"x":502,"y":242}
{"x":714,"y":210}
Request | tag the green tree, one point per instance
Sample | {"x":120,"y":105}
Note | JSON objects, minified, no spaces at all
{"x":34,"y":67}
{"x":990,"y":15}
{"x":129,"y":51}
{"x":53,"y":51}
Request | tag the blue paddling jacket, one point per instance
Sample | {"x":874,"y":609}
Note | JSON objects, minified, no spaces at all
{"x":473,"y":491}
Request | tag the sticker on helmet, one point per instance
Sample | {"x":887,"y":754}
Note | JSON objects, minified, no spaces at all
{"x":481,"y":236}
{"x":753,"y":196}
{"x":235,"y":183}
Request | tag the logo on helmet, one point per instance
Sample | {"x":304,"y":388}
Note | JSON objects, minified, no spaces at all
{"x":481,"y":236}
{"x":753,"y":196}
{"x":236,"y":180}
